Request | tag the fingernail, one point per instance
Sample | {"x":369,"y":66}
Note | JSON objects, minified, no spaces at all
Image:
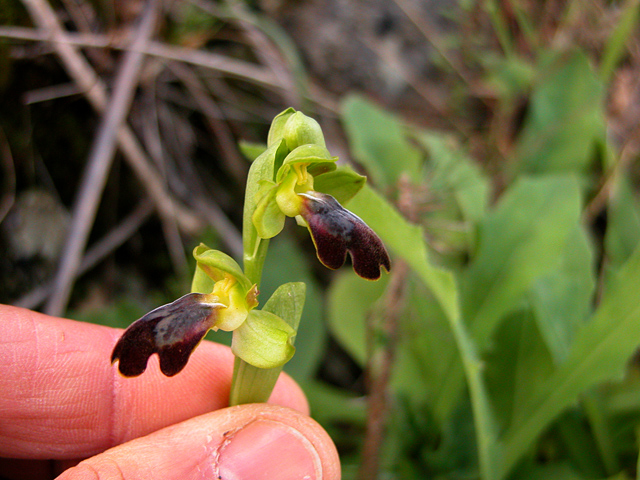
{"x":268,"y":449}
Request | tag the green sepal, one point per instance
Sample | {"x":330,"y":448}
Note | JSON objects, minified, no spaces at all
{"x":216,"y":263}
{"x":276,"y":132}
{"x":317,"y":156}
{"x":267,"y":218}
{"x":342,"y":184}
{"x":201,"y":283}
{"x":302,"y":130}
{"x":264,"y":340}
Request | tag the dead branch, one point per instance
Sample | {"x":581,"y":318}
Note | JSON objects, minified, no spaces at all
{"x":99,"y":161}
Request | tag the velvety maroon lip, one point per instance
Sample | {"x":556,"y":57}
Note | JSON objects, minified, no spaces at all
{"x":172,"y":331}
{"x":336,"y":231}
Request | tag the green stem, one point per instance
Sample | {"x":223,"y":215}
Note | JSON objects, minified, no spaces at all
{"x":251,"y":384}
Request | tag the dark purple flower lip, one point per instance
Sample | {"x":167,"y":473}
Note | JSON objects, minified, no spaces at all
{"x":172,"y":331}
{"x":336,"y":231}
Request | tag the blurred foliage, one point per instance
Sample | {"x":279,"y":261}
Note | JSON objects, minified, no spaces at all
{"x":513,"y":202}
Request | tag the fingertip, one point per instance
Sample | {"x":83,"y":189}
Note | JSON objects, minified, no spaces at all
{"x":246,"y":441}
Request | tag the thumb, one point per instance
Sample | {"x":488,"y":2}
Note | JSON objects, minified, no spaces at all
{"x":243,"y":442}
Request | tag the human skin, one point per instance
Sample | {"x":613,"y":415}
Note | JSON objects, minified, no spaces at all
{"x":60,"y":399}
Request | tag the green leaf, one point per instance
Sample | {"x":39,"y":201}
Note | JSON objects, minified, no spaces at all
{"x":599,"y":353}
{"x":287,"y":302}
{"x":453,"y":172}
{"x":520,"y":241}
{"x":517,"y":365}
{"x":263,"y":340}
{"x":342,"y":184}
{"x":426,"y":354}
{"x":251,"y":150}
{"x":616,"y":45}
{"x":407,"y":242}
{"x":562,"y":299}
{"x":350,"y":299}
{"x":623,"y":223}
{"x":565,"y":118}
{"x":378,"y":141}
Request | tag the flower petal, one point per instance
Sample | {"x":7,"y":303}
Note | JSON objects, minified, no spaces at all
{"x":172,"y":331}
{"x":216,"y":264}
{"x":336,"y":230}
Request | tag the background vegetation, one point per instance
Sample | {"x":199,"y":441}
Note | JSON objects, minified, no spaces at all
{"x":500,"y":139}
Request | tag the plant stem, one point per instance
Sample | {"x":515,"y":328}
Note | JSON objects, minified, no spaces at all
{"x":251,"y":384}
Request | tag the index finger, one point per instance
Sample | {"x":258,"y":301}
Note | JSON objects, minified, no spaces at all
{"x":60,"y":397}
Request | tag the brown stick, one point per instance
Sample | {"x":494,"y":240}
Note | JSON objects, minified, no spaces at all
{"x":98,"y":251}
{"x":381,"y":355}
{"x":379,"y":369}
{"x":212,"y":61}
{"x":100,"y":157}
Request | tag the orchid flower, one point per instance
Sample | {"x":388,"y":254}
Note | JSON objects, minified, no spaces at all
{"x":295,"y":176}
{"x":174,"y":330}
{"x":334,"y":229}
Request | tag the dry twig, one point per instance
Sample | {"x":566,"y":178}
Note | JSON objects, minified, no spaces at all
{"x":228,"y":66}
{"x":98,"y":251}
{"x":99,"y":162}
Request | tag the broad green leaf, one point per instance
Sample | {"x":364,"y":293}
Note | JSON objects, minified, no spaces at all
{"x":350,"y":300}
{"x":599,"y":353}
{"x":562,"y":299}
{"x":520,"y":241}
{"x":342,"y":184}
{"x":406,"y":241}
{"x":623,"y":223}
{"x":427,"y":354}
{"x":452,"y":171}
{"x":516,"y":365}
{"x":378,"y":141}
{"x":565,"y":118}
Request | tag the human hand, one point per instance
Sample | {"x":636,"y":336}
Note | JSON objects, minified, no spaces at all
{"x":60,"y":399}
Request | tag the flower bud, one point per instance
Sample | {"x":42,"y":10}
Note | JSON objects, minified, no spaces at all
{"x":302,"y":130}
